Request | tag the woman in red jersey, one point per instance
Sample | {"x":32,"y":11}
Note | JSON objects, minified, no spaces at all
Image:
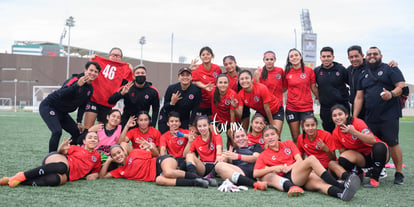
{"x":272,"y":77}
{"x":208,"y":146}
{"x":255,"y":135}
{"x":69,"y":163}
{"x":299,"y":81}
{"x":226,"y":107}
{"x":205,"y":78}
{"x":282,"y":167}
{"x":144,"y":165}
{"x":316,"y":142}
{"x":143,"y":132}
{"x":232,"y":71}
{"x":358,"y":146}
{"x":258,"y":97}
{"x":240,"y":162}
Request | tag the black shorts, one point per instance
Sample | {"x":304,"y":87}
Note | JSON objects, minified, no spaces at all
{"x":279,"y":115}
{"x":98,"y":109}
{"x":292,"y":116}
{"x":158,"y":164}
{"x":206,"y":112}
{"x":182,"y":165}
{"x":248,"y":170}
{"x":387,"y":131}
{"x":246,"y":112}
{"x":209,"y":167}
{"x":288,"y":176}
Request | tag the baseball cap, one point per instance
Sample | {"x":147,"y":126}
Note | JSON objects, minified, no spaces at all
{"x":184,"y":69}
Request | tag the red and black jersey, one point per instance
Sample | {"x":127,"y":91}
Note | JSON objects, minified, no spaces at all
{"x":256,"y":139}
{"x":82,"y":162}
{"x":311,"y":148}
{"x":257,"y":97}
{"x":109,"y":79}
{"x":205,"y":149}
{"x":221,"y":111}
{"x":299,"y":97}
{"x":151,"y":136}
{"x":206,"y":76}
{"x":274,"y":83}
{"x":139,"y":165}
{"x":174,"y":145}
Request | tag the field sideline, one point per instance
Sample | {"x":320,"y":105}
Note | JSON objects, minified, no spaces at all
{"x":24,"y":143}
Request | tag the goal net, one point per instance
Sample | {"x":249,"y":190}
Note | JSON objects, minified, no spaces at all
{"x":40,"y":93}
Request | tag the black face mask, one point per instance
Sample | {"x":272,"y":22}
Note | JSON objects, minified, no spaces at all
{"x":140,"y":79}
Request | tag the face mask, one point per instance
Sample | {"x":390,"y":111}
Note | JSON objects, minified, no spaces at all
{"x":140,"y":79}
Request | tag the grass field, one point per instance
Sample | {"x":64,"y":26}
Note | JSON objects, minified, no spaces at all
{"x":24,"y":142}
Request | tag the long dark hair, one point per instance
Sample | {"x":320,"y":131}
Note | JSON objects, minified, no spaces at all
{"x":270,"y":127}
{"x":204,"y":117}
{"x":111,"y":112}
{"x":208,"y":49}
{"x":216,"y":97}
{"x":264,"y":70}
{"x":350,"y":119}
{"x":231,"y":57}
{"x":303,"y":122}
{"x":145,"y":113}
{"x":289,"y":64}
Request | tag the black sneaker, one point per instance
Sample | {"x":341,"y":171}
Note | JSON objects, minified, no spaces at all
{"x":211,"y":181}
{"x":201,"y":182}
{"x":399,"y":178}
{"x":351,"y":187}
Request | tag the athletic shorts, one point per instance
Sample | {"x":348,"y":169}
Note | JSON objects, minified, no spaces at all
{"x":54,"y":153}
{"x":247,"y":170}
{"x":279,"y":115}
{"x":158,"y":164}
{"x":98,"y":109}
{"x":209,"y":167}
{"x":292,"y":116}
{"x":206,"y":112}
{"x":387,"y":131}
{"x":246,"y":112}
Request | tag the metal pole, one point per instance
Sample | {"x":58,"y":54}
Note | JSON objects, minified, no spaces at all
{"x":296,"y":40}
{"x":15,"y":94}
{"x":172,"y":50}
{"x":142,"y":42}
{"x":142,"y":45}
{"x":67,"y":66}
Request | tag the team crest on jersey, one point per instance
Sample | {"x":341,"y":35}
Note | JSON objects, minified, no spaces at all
{"x":261,"y":141}
{"x":317,"y":147}
{"x":88,"y":106}
{"x":227,"y":102}
{"x":79,"y":90}
{"x":180,"y":142}
{"x":93,"y":158}
{"x":365,"y":131}
{"x":89,"y":93}
{"x":303,"y":76}
{"x":191,"y":96}
{"x":354,"y":137}
{"x":146,"y":96}
{"x":278,"y":76}
{"x":287,"y":151}
{"x":52,"y":113}
{"x":337,"y":74}
{"x":321,"y":73}
{"x":380,"y":73}
{"x":133,"y":94}
{"x":215,"y":75}
{"x":256,"y":99}
{"x":211,"y":146}
{"x":129,"y":161}
{"x":149,"y":139}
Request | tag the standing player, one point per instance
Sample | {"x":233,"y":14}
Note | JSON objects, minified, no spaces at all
{"x":258,"y":97}
{"x":378,"y":89}
{"x":182,"y":97}
{"x":332,"y":79}
{"x":299,"y":81}
{"x":74,"y":94}
{"x":205,"y":77}
{"x":114,"y":74}
{"x":138,"y":95}
{"x":69,"y":163}
{"x":272,"y":77}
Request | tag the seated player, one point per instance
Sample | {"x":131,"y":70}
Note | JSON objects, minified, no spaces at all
{"x":255,"y":135}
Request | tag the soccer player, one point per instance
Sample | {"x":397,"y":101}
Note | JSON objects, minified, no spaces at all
{"x":258,"y":97}
{"x":69,"y":163}
{"x":282,"y":167}
{"x":175,"y":141}
{"x":143,"y":131}
{"x":272,"y":77}
{"x":74,"y":94}
{"x":316,"y":142}
{"x":143,"y":165}
{"x":378,"y":90}
{"x":358,"y":146}
{"x":208,"y":146}
{"x":255,"y":135}
{"x":205,"y":77}
{"x":226,"y":107}
{"x":300,"y":82}
{"x":115,"y":73}
{"x":138,"y":95}
{"x":240,"y":162}
{"x":331,"y":79}
{"x":182,"y":97}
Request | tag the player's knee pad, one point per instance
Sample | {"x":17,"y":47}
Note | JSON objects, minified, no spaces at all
{"x":379,"y":152}
{"x":59,"y":167}
{"x":346,"y":164}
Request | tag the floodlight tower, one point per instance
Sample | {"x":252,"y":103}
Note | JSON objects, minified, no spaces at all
{"x":308,"y":40}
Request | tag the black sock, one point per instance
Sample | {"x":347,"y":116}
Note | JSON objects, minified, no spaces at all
{"x":334,"y":192}
{"x":191,"y":168}
{"x":286,"y":185}
{"x":328,"y":178}
{"x":184,"y":182}
{"x":379,"y":158}
{"x":50,"y":168}
{"x":190,"y":175}
{"x":243,"y":180}
{"x":345,"y":175}
{"x":45,"y":180}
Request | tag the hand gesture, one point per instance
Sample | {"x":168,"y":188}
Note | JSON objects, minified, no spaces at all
{"x":393,"y":64}
{"x":386,"y":94}
{"x":347,"y":128}
{"x":96,"y":127}
{"x":131,"y":122}
{"x":234,"y":102}
{"x":82,"y":80}
{"x":65,"y":144}
{"x":194,"y":65}
{"x":126,"y":88}
{"x":175,"y":97}
{"x":143,"y":144}
{"x":209,"y":86}
{"x":322,"y":145}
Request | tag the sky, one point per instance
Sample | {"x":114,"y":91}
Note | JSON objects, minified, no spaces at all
{"x":245,"y":29}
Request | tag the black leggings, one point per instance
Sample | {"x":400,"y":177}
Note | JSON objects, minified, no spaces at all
{"x":46,"y":175}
